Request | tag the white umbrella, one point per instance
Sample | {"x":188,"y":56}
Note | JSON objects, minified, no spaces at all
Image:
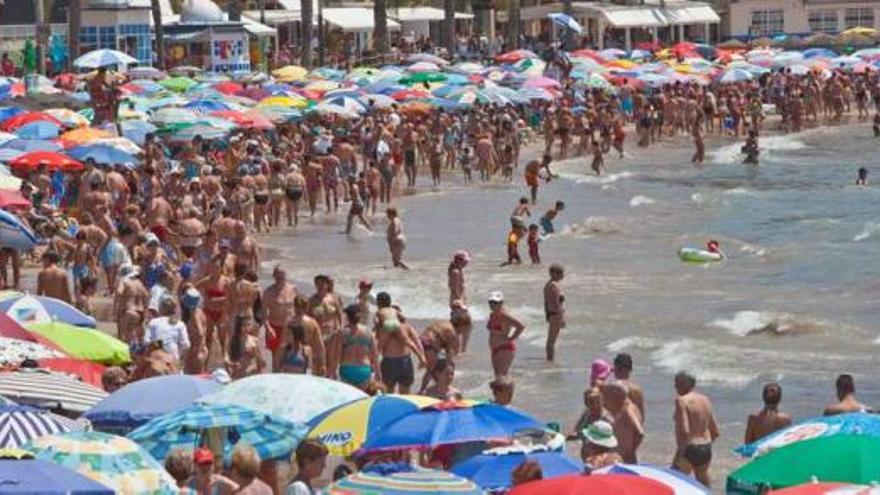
{"x":377,"y":101}
{"x":736,"y":75}
{"x":426,"y":57}
{"x":846,"y":61}
{"x":43,"y":388}
{"x":423,"y":67}
{"x":103,"y":58}
{"x":565,"y":21}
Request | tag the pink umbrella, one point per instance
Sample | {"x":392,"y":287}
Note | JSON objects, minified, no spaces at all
{"x":541,"y":82}
{"x":423,"y":67}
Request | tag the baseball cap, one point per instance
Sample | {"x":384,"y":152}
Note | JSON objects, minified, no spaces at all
{"x":600,"y":369}
{"x":203,"y":456}
{"x":600,"y":433}
{"x":496,"y":297}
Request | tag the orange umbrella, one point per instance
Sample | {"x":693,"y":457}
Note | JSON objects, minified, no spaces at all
{"x":83,"y":135}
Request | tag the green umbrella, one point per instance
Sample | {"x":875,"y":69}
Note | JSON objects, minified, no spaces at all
{"x":179,"y":84}
{"x":422,"y":77}
{"x":840,"y":458}
{"x":84,"y":343}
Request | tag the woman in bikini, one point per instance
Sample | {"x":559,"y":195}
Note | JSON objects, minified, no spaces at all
{"x":261,"y":203}
{"x":501,"y":340}
{"x":439,"y":340}
{"x":353,"y":352}
{"x":213,"y":288}
{"x":325,"y":308}
{"x":294,"y":186}
{"x":245,"y":356}
{"x":296,"y":356}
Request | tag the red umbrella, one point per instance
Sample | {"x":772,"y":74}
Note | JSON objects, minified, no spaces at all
{"x":606,"y":484}
{"x":258,"y":120}
{"x":408,"y":94}
{"x":515,"y":56}
{"x":11,"y":329}
{"x":87,"y":371}
{"x":228,"y":87}
{"x":21,"y":119}
{"x":234,"y":116}
{"x":29,"y":161}
{"x":587,"y":53}
{"x":13,"y":200}
{"x":253,"y":93}
{"x":814,"y":489}
{"x":651,"y":46}
{"x":131,"y":88}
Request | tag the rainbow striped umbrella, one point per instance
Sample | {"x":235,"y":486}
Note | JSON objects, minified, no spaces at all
{"x":395,"y":479}
{"x":345,"y":428}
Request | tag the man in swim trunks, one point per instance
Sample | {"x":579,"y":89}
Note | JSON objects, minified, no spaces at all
{"x":278,"y":301}
{"x":695,"y":429}
{"x":533,"y":173}
{"x":396,"y":365}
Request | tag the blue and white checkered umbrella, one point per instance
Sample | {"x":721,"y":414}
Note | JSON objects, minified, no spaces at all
{"x":565,"y":21}
{"x":103,"y":58}
{"x":273,"y":437}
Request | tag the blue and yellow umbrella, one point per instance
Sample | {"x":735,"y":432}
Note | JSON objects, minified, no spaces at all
{"x":345,"y":428}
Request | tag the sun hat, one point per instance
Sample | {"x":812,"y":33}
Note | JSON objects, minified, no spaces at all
{"x":600,"y":433}
{"x":496,"y":297}
{"x":600,"y":369}
{"x":462,"y":255}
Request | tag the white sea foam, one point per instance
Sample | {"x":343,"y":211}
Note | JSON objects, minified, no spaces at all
{"x":757,"y":251}
{"x":637,"y":201}
{"x":739,"y":191}
{"x":868,"y":231}
{"x":768,"y":145}
{"x":750,"y":322}
{"x":631,"y":342}
{"x":590,"y":227}
{"x":716,"y":364}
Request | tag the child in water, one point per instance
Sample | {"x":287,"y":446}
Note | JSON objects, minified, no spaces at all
{"x":533,"y":240}
{"x":516,"y":233}
{"x":750,"y":149}
{"x":877,"y":125}
{"x":863,"y":176}
{"x":714,"y":246}
{"x":549,"y":216}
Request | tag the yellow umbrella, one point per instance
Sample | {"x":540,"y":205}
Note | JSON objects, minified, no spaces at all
{"x":290,"y":73}
{"x":84,"y":135}
{"x":284,"y":101}
{"x":860,"y":31}
{"x":322,"y":86}
{"x":683,"y":68}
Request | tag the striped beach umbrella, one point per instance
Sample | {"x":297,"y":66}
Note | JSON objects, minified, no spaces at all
{"x":271,"y":436}
{"x":45,"y":389}
{"x":21,"y":424}
{"x":113,"y":461}
{"x":679,"y":483}
{"x":408,"y":481}
{"x":344,"y":429}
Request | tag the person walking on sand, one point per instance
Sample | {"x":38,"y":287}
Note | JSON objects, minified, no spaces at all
{"x":554,"y":308}
{"x":396,"y":238}
{"x":769,"y":419}
{"x":502,"y":342}
{"x":695,"y":429}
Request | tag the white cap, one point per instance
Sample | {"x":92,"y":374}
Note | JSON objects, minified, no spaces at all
{"x":496,"y":296}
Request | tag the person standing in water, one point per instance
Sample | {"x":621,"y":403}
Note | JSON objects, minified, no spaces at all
{"x":459,"y":315}
{"x":769,"y":419}
{"x":554,"y":309}
{"x":695,"y":429}
{"x":533,"y":175}
{"x":863,"y":177}
{"x":501,"y":341}
{"x":396,"y":238}
{"x":750,"y":149}
{"x":697,"y":133}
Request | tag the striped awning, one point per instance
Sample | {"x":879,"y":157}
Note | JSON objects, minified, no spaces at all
{"x":46,"y":389}
{"x":20,"y":424}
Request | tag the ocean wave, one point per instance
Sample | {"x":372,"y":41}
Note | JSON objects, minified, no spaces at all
{"x":739,"y":191}
{"x":731,"y":153}
{"x":756,"y":251}
{"x":590,"y":227}
{"x":640,"y":200}
{"x":631,"y":342}
{"x":750,"y":322}
{"x":602,"y":180}
{"x":710,"y":362}
{"x":868,"y":231}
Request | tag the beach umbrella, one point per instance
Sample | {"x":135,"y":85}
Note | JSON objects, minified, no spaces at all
{"x":205,"y":131}
{"x":14,"y":234}
{"x":185,"y":70}
{"x":653,"y":80}
{"x":273,"y":437}
{"x":612,"y":53}
{"x":228,"y":87}
{"x":422,"y":77}
{"x":344,"y":428}
{"x":136,"y":130}
{"x":85,"y":371}
{"x":146,"y":72}
{"x":284,"y":101}
{"x":290,"y":73}
{"x":492,"y":470}
{"x":14,"y":351}
{"x":680,"y":483}
{"x":165,"y":116}
{"x":7,"y":113}
{"x":426,"y":57}
{"x":451,"y":423}
{"x":823,"y":426}
{"x":376,"y":101}
{"x":410,"y":94}
{"x":251,"y":120}
{"x":868,"y":53}
{"x":467,"y":68}
{"x":84,"y":343}
{"x":22,"y":119}
{"x":640,"y":54}
{"x":596,"y":81}
{"x":403,"y":479}
{"x":5,"y":137}
{"x":177,"y":84}
{"x":541,"y":82}
{"x":83,"y":135}
{"x":113,"y":461}
{"x":849,"y":458}
{"x":819,"y":52}
{"x":27,"y":309}
{"x":535,"y":94}
{"x":67,"y":117}
{"x":139,"y":402}
{"x":845,"y":62}
{"x":120,"y":143}
{"x":736,"y":75}
{"x":206,"y":106}
{"x":515,"y":56}
{"x":101,"y":153}
{"x":28,"y":145}
{"x":297,"y":398}
{"x":103,"y":58}
{"x":21,"y":424}
{"x":565,"y":21}
{"x":588,"y":54}
{"x":280,"y":114}
{"x":423,"y":67}
{"x":321,"y":86}
{"x":608,"y":484}
{"x":34,"y":476}
{"x":41,"y":388}
{"x":816,"y":488}
{"x":326,"y":73}
{"x":11,"y":198}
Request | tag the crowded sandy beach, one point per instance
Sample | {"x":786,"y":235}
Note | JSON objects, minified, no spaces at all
{"x":573,"y":272}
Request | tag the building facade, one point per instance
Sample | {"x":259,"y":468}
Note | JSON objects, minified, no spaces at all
{"x":758,"y":18}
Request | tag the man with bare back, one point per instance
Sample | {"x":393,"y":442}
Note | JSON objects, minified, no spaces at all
{"x":695,"y":429}
{"x":278,"y":301}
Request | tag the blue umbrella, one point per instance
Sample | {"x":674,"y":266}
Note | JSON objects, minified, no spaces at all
{"x":273,"y":437}
{"x":808,"y":429}
{"x":38,"y":130}
{"x":143,"y":400}
{"x":27,"y":309}
{"x":28,"y":145}
{"x":137,"y":130}
{"x":101,"y":153}
{"x":9,"y":112}
{"x":678,"y":482}
{"x":819,"y":52}
{"x":30,"y":476}
{"x":492,"y":471}
{"x":7,"y":154}
{"x":206,"y":106}
{"x":451,"y":424}
{"x":565,"y":21}
{"x":14,"y":234}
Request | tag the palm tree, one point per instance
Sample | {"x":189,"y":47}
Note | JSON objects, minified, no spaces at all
{"x":449,"y":27}
{"x":160,"y":33}
{"x":380,"y":32}
{"x":307,"y":16}
{"x":74,"y":20}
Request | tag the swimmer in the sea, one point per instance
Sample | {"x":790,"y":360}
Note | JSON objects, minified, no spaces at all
{"x":877,"y":125}
{"x":714,"y":246}
{"x":863,"y":177}
{"x":750,"y":149}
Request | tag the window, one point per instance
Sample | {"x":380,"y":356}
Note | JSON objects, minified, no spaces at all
{"x":767,"y":22}
{"x":860,"y":17}
{"x":823,"y":21}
